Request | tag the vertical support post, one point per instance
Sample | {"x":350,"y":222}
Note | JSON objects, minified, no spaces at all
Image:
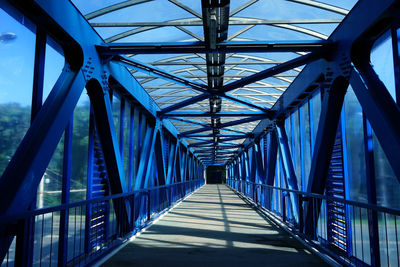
{"x":271,"y":157}
{"x":24,"y":242}
{"x":178,"y":165}
{"x":301,"y":213}
{"x":132,"y":151}
{"x":121,"y":128}
{"x":135,"y":128}
{"x":159,"y":155}
{"x":148,"y":205}
{"x":101,"y":103}
{"x":288,"y":168}
{"x":66,"y":186}
{"x":396,"y":60}
{"x":259,"y":167}
{"x":380,"y":109}
{"x":330,"y":115}
{"x":371,"y":192}
{"x":88,"y":211}
{"x":302,"y":145}
{"x":38,"y":71}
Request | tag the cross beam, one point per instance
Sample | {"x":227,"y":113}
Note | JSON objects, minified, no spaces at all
{"x":112,"y":49}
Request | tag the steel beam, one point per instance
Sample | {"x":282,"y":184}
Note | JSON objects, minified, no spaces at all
{"x":209,"y":114}
{"x":288,"y":167}
{"x":156,"y":72}
{"x":185,"y":103}
{"x":271,"y":156}
{"x":358,"y":21}
{"x":113,"y":8}
{"x":198,"y":22}
{"x":381,"y":111}
{"x":223,"y":125}
{"x":114,"y":49}
{"x":297,"y":62}
{"x":328,"y":123}
{"x":159,"y":157}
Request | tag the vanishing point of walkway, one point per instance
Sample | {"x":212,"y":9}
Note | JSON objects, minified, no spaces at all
{"x":214,"y":227}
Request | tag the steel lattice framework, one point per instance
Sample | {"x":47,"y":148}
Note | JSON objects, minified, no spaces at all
{"x":202,"y":85}
{"x":214,"y":72}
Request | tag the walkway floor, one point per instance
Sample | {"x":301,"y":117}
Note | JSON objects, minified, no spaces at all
{"x":214,"y":227}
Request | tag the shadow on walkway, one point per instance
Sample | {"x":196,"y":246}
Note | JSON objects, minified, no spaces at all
{"x":214,"y":227}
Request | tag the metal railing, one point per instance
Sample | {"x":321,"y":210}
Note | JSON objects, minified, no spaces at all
{"x":80,"y":233}
{"x":363,"y":235}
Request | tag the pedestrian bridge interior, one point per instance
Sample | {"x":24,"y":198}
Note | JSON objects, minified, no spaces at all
{"x":202,"y":132}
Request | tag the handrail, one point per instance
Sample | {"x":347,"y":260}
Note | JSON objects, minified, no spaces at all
{"x":344,"y":201}
{"x":13,"y":217}
{"x":351,"y":232}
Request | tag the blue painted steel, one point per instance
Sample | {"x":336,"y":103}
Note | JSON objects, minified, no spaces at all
{"x":97,"y":223}
{"x":38,"y":71}
{"x":132,"y":148}
{"x":171,"y":163}
{"x":302,"y":144}
{"x":19,"y":182}
{"x":346,"y":183}
{"x":156,"y":72}
{"x":223,"y":125}
{"x":89,"y":184}
{"x":358,"y":21}
{"x":341,"y":258}
{"x":330,"y":114}
{"x":136,"y":144}
{"x":381,"y":111}
{"x":301,"y":60}
{"x":121,"y":128}
{"x":292,"y":141}
{"x":65,"y":196}
{"x":252,"y":164}
{"x":335,"y":187}
{"x":145,"y":158}
{"x":220,"y":47}
{"x":218,"y":135}
{"x":185,"y":103}
{"x":246,"y":103}
{"x":107,"y":135}
{"x":159,"y":157}
{"x":288,"y":168}
{"x":26,"y":168}
{"x":209,"y":114}
{"x":395,"y":34}
{"x":371,"y":193}
{"x":311,"y":112}
{"x":28,"y":164}
{"x":272,"y":152}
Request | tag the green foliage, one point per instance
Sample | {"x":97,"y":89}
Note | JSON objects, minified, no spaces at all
{"x":14,"y":122}
{"x":80,"y":143}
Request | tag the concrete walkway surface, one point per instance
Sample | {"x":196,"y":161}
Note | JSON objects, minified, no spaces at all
{"x":214,"y":227}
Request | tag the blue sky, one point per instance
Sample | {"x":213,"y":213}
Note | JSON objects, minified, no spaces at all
{"x":17,"y":60}
{"x":16,"y":66}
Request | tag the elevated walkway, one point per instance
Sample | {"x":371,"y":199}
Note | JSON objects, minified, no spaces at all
{"x":214,"y":227}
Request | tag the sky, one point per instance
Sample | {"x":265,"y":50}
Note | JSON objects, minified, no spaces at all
{"x":16,"y":66}
{"x":17,"y":60}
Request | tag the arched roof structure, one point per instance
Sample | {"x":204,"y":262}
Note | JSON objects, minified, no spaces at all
{"x":203,"y":58}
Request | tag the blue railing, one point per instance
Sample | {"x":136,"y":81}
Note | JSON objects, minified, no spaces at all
{"x":369,"y":234}
{"x":81,"y":233}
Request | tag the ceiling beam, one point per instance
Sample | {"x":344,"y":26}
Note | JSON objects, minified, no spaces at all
{"x":297,"y":62}
{"x":154,"y":71}
{"x":223,"y":125}
{"x":209,"y":114}
{"x":220,"y":47}
{"x":198,"y":22}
